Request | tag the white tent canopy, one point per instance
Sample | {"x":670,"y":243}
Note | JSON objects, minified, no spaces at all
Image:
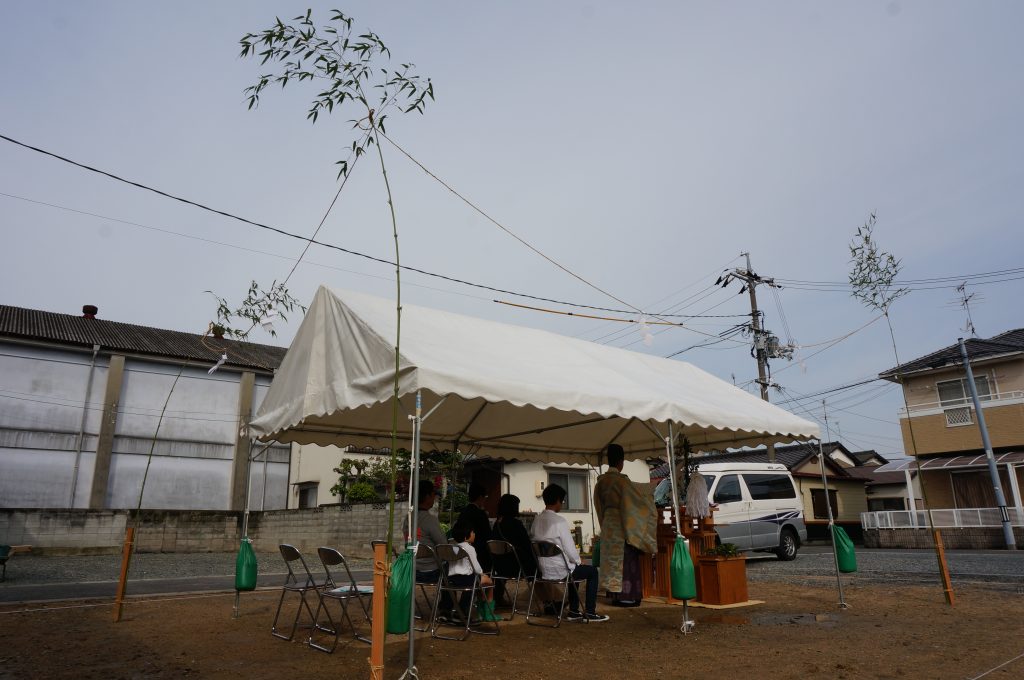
{"x":512,"y":392}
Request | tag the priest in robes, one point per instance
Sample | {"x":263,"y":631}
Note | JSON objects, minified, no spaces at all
{"x":628,"y":521}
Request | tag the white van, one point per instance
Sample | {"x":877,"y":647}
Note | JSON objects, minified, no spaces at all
{"x":758,"y":506}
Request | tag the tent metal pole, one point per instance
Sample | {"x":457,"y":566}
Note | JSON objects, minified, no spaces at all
{"x":828,"y":504}
{"x":414,"y":502}
{"x":414,"y":505}
{"x":670,"y":446}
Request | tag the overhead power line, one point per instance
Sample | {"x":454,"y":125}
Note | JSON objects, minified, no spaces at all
{"x":283,"y":232}
{"x":934,"y":283}
{"x":505,"y":229}
{"x":225,"y":244}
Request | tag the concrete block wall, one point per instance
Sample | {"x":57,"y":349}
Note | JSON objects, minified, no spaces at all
{"x":347,"y":528}
{"x":69,"y":531}
{"x":973,"y":538}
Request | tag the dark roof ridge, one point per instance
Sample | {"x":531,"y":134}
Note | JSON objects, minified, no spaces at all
{"x":34,"y":324}
{"x":951,"y":353}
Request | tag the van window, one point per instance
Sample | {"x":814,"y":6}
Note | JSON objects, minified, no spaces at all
{"x":728,"y":490}
{"x":767,"y":487}
{"x":663,"y":491}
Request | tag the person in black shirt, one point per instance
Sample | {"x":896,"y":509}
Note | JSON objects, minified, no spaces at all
{"x":475,"y":516}
{"x":508,"y":527}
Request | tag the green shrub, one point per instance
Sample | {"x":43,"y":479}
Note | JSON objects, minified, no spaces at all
{"x":724,"y":550}
{"x":361,"y":492}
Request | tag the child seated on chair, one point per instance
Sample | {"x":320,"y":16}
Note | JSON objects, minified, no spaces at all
{"x":462,"y":573}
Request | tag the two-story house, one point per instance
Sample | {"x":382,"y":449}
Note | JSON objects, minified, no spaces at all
{"x":940,"y":428}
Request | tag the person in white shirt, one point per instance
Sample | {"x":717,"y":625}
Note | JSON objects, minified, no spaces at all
{"x":550,"y":526}
{"x":462,"y":573}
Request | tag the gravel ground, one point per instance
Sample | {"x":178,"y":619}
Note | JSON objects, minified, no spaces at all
{"x":997,"y":569}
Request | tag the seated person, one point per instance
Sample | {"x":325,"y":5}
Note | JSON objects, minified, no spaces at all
{"x":428,"y":532}
{"x":509,"y":527}
{"x":550,"y":526}
{"x":462,"y":573}
{"x":475,"y":515}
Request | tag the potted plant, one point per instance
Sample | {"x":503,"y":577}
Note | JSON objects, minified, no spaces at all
{"x":723,"y":575}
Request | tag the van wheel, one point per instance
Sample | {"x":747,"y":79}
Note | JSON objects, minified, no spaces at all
{"x":788,"y":545}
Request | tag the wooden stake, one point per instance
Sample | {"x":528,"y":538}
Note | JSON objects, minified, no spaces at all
{"x":947,"y":585}
{"x":122,"y":584}
{"x":377,"y":628}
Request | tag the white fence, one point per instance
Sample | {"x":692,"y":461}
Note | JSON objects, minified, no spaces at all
{"x":960,"y":411}
{"x":943,"y":519}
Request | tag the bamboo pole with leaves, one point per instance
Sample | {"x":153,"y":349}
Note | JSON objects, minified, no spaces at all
{"x":873,"y":280}
{"x":347,"y":65}
{"x":259,"y":307}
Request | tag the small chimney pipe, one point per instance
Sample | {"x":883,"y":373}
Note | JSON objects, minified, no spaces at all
{"x":90,"y":311}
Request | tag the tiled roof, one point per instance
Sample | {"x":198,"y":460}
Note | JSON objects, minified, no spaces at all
{"x":977,"y":348}
{"x":33,"y":324}
{"x":872,"y":476}
{"x":861,"y":457}
{"x":790,"y":456}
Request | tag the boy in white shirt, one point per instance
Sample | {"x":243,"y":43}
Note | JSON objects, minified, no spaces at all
{"x":462,"y":573}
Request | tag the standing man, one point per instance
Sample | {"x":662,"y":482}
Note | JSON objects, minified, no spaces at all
{"x":550,"y":526}
{"x":628,"y":525}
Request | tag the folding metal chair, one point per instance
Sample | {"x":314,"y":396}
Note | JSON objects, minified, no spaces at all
{"x":347,"y":590}
{"x":292,"y":584}
{"x":505,"y":558}
{"x":449,"y":555}
{"x":425,"y":553}
{"x":549,"y":549}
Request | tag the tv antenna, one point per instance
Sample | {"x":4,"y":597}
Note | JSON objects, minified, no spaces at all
{"x":965,"y":302}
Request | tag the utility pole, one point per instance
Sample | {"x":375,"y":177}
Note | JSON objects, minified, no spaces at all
{"x":755,"y":323}
{"x":1008,"y":537}
{"x":761,"y":337}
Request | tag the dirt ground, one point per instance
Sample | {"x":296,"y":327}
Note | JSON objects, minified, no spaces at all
{"x":799,"y":632}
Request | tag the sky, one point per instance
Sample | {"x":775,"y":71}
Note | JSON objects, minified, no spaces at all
{"x":642,"y":146}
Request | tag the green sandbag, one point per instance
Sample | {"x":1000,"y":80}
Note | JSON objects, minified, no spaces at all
{"x":684,"y":584}
{"x":245,"y":566}
{"x":844,"y":550}
{"x":400,"y":594}
{"x":595,"y":555}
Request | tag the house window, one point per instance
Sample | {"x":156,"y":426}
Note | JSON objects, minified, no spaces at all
{"x":307,"y":495}
{"x":575,"y":483}
{"x":955,"y":392}
{"x":818,"y":502}
{"x":882,"y":504}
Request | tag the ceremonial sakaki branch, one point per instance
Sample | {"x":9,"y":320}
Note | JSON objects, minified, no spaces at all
{"x":494,"y":389}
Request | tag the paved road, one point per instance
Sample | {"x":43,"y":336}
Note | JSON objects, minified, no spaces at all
{"x":989,"y":568}
{"x":32,"y":578}
{"x":41,"y":578}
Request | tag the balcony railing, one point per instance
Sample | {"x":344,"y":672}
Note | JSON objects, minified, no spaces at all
{"x":943,"y":519}
{"x":960,"y":411}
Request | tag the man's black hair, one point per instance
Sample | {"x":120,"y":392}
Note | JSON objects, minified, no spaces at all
{"x":615,"y":455}
{"x":553,"y":493}
{"x":426,"y":488}
{"x":476,"y":490}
